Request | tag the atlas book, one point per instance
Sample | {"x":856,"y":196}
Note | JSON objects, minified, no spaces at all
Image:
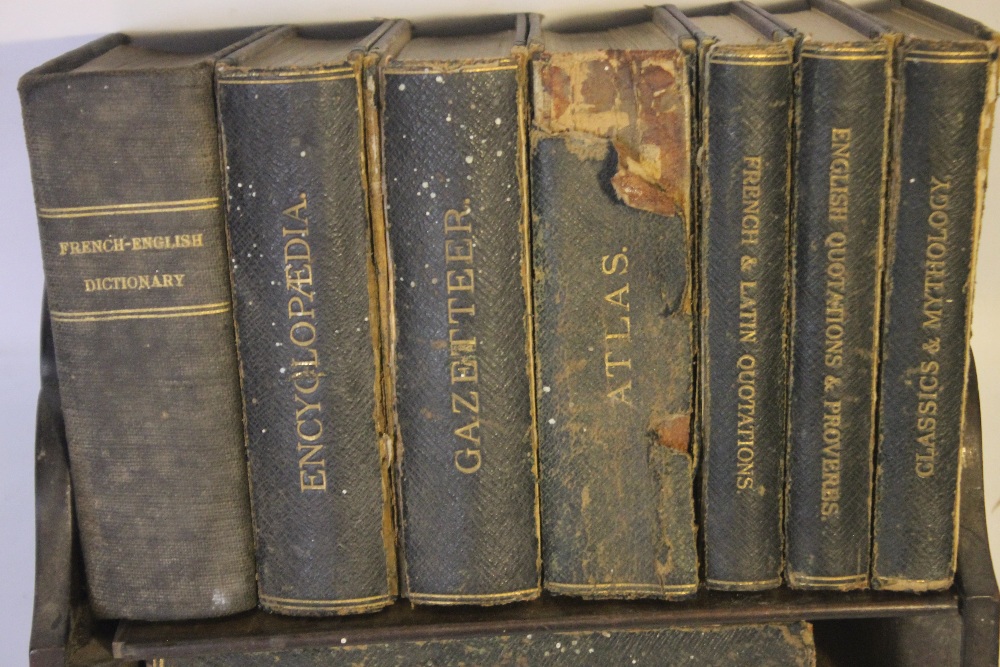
{"x":454,"y":114}
{"x":946,"y":69}
{"x":124,"y":150}
{"x":306,"y":297}
{"x":842,"y":112}
{"x":612,"y":200}
{"x":746,"y":92}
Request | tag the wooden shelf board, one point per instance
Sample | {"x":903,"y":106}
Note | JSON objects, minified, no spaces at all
{"x":260,"y":631}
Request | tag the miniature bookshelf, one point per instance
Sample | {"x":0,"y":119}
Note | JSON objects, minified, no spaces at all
{"x":954,"y":627}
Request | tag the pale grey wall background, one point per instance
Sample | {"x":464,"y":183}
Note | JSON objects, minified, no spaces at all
{"x":30,"y":33}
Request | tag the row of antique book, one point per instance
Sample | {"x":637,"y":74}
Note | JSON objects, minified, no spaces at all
{"x":610,"y":312}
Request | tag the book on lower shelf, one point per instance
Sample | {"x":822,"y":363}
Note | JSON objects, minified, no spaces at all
{"x":790,"y":645}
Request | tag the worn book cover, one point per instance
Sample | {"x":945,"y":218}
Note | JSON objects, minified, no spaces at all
{"x":307,"y":316}
{"x":946,"y":73}
{"x":123,"y":144}
{"x":706,"y":646}
{"x":843,"y":95}
{"x":454,"y":110}
{"x":611,"y":139}
{"x":745,"y":96}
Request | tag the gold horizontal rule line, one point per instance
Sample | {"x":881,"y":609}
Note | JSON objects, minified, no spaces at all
{"x":126,"y":311}
{"x":820,"y":48}
{"x":237,"y":75}
{"x":325,"y":603}
{"x":141,"y":313}
{"x":271,"y":81}
{"x":471,"y":597}
{"x":831,"y":55}
{"x":846,"y":578}
{"x":416,"y":70}
{"x":749,"y":63}
{"x":969,"y":54}
{"x":145,"y":204}
{"x":158,"y":316}
{"x":623,"y":586}
{"x":948,"y":61}
{"x":744,"y":584}
{"x":136,"y":208}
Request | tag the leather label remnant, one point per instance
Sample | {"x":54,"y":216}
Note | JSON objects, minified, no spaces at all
{"x":671,"y":431}
{"x":631,"y":99}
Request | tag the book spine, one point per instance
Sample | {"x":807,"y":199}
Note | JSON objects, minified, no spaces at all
{"x":791,"y":645}
{"x":947,"y":93}
{"x":307,"y":319}
{"x":129,"y":197}
{"x":388,"y":44}
{"x":842,"y":113}
{"x":456,"y":214}
{"x":746,"y":126}
{"x":614,"y":323}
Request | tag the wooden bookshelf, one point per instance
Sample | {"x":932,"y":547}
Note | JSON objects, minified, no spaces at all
{"x":954,"y":627}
